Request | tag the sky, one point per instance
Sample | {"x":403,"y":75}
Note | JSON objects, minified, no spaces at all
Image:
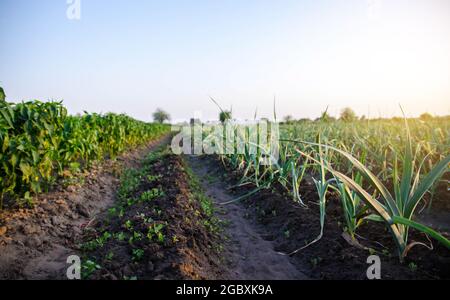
{"x":135,"y":56}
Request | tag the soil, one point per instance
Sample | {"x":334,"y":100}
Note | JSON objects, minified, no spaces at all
{"x":184,"y":229}
{"x":251,"y":255}
{"x":285,"y":226}
{"x":191,"y":243}
{"x":35,"y":242}
{"x":234,"y":247}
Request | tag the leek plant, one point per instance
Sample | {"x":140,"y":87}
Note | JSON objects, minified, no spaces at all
{"x":376,"y":172}
{"x":352,"y":206}
{"x":322,"y":186}
{"x":396,"y":211}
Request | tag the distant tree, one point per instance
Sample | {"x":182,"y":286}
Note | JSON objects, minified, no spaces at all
{"x":2,"y":94}
{"x":161,"y":116}
{"x":426,"y":117}
{"x":225,"y":115}
{"x":325,"y":118}
{"x":304,"y":120}
{"x":348,"y":115}
{"x":363,"y":118}
{"x":288,"y":119}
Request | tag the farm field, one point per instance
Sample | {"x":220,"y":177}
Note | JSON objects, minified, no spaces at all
{"x":224,"y":148}
{"x":132,"y":209}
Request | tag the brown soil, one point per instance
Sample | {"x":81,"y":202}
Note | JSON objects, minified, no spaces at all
{"x":35,"y":242}
{"x":286,"y":227}
{"x":190,"y":248}
{"x":251,"y":256}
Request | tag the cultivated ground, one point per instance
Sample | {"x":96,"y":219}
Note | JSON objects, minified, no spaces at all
{"x":35,"y":242}
{"x":251,"y":255}
{"x":286,"y":226}
{"x":165,"y":218}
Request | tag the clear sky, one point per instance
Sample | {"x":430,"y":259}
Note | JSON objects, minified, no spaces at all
{"x":134,"y":56}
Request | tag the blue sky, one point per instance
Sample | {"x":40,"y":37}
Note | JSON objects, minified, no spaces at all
{"x":134,"y":56}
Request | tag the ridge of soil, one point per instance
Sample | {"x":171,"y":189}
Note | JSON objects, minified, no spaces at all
{"x":36,"y":242}
{"x":189,"y":244}
{"x":212,"y":242}
{"x":289,"y":226}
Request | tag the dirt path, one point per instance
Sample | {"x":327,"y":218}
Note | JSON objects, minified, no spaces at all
{"x":251,"y":256}
{"x":38,"y":241}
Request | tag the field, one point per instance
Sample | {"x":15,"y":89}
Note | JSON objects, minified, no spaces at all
{"x":381,"y":170}
{"x":383,"y":184}
{"x":41,"y":143}
{"x":108,"y":189}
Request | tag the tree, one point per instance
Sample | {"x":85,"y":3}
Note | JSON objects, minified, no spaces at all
{"x":426,"y":117}
{"x":224,"y":116}
{"x":288,"y":119}
{"x":161,"y":116}
{"x":2,"y":94}
{"x":348,"y":115}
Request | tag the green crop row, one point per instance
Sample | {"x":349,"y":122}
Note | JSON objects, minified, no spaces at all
{"x":40,"y":141}
{"x":384,"y":170}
